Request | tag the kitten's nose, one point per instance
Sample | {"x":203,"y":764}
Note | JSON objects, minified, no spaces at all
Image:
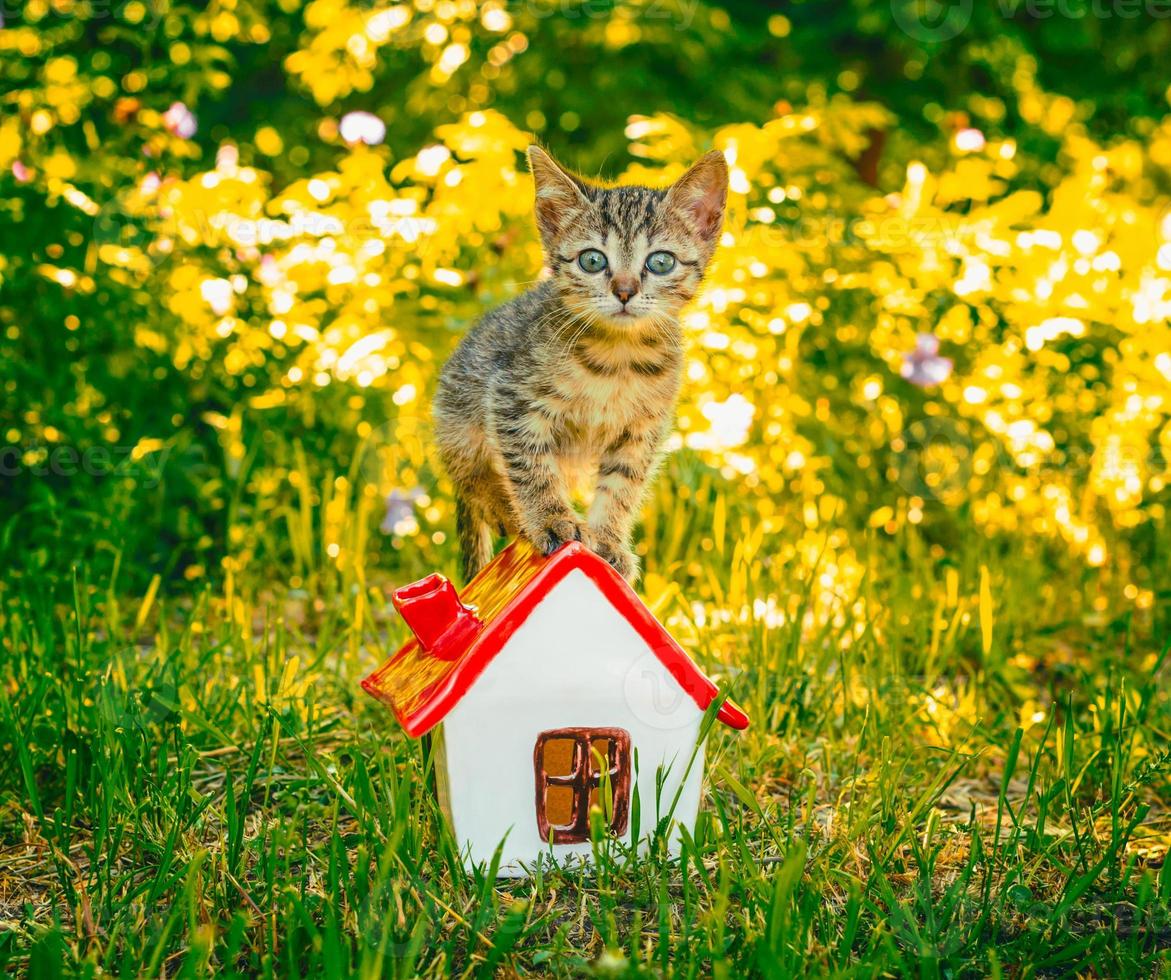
{"x":624,"y":287}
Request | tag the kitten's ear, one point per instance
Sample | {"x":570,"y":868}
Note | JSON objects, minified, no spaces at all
{"x":701,"y":194}
{"x":558,"y":192}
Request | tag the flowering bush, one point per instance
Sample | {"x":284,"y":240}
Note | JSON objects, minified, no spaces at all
{"x":973,"y":328}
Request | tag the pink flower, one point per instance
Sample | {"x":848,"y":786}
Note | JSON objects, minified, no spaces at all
{"x":269,"y":272}
{"x":227,"y":158}
{"x":180,"y":121}
{"x":150,"y":183}
{"x":21,"y":172}
{"x":362,"y":127}
{"x":923,"y":366}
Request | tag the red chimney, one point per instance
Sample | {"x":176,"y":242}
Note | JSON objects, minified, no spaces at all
{"x":442,"y":624}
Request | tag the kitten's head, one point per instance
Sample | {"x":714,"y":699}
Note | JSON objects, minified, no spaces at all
{"x":629,"y":255}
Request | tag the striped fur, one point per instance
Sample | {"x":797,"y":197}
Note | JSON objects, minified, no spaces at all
{"x":577,"y":378}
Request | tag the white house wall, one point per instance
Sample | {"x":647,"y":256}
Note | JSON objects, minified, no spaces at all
{"x":575,"y":662}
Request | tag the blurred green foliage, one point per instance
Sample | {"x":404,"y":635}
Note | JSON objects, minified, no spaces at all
{"x":126,"y":440}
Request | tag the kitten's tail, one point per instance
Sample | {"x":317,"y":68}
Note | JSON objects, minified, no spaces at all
{"x":475,"y":539}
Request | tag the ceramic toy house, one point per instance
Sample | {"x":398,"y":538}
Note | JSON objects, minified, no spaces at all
{"x":549,"y":687}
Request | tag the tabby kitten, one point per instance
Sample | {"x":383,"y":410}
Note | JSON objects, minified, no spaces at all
{"x":579,"y":375}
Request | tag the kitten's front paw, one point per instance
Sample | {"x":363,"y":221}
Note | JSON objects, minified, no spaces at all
{"x":621,"y":558}
{"x":553,"y":535}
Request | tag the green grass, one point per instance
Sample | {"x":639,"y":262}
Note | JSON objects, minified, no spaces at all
{"x":192,"y":783}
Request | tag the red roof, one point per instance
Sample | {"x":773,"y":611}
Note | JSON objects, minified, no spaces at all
{"x":456,"y":637}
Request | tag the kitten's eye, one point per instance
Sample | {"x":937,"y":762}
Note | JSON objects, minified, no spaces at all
{"x":592,"y":260}
{"x":660,"y":263}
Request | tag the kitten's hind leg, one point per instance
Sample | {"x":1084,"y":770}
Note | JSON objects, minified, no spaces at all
{"x":475,"y":538}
